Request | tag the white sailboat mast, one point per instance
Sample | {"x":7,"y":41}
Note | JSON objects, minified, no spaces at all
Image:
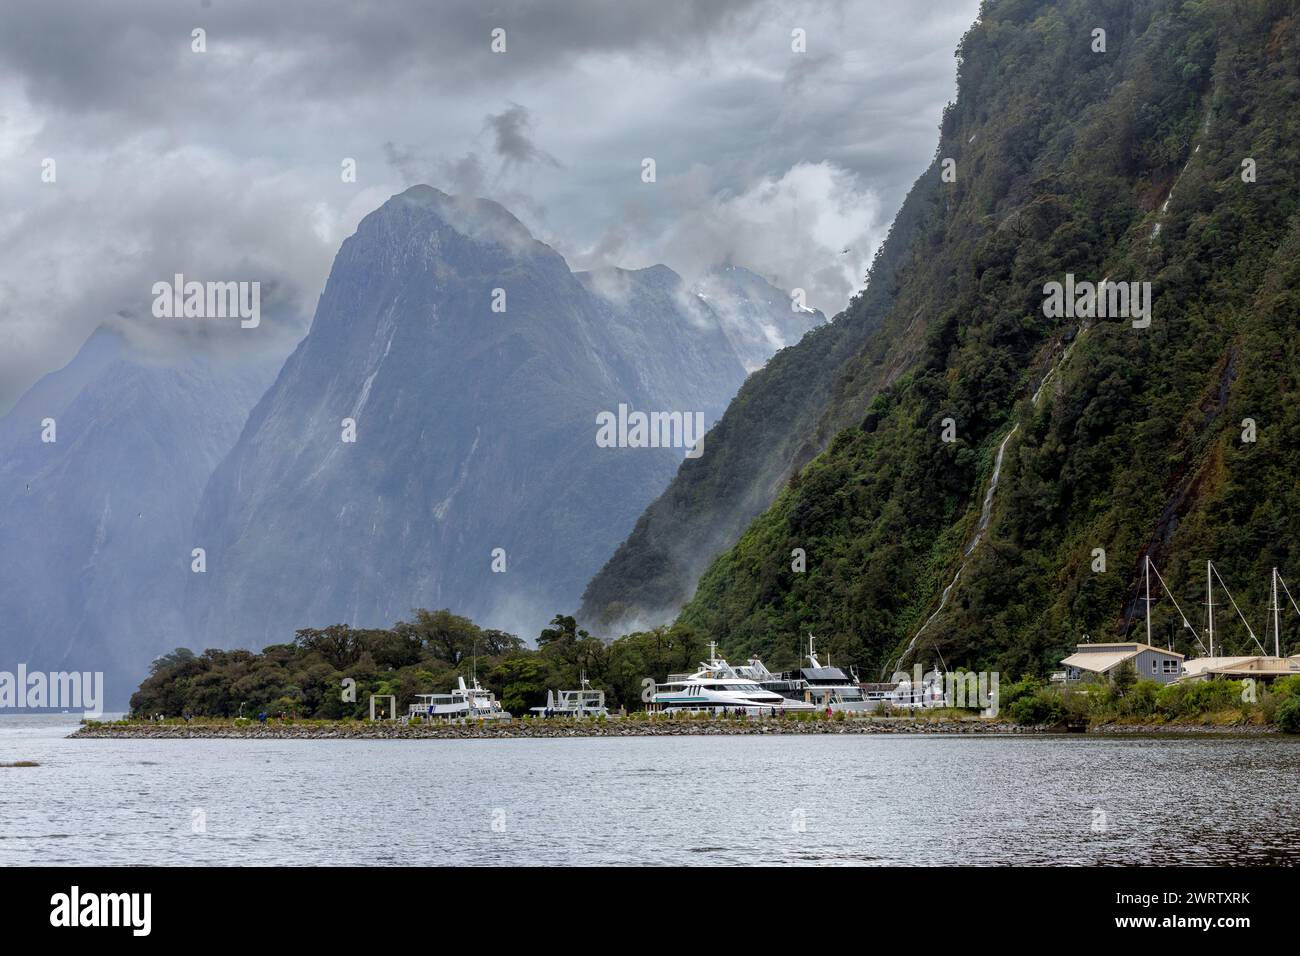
{"x":1277,"y":620}
{"x":1148,"y":578}
{"x":1209,"y":599}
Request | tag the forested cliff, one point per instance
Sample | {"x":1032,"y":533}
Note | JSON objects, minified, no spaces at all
{"x":1162,"y":150}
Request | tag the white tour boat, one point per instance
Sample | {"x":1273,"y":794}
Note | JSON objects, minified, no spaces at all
{"x":822,"y":686}
{"x":718,"y":687}
{"x":584,"y":702}
{"x":463,"y":703}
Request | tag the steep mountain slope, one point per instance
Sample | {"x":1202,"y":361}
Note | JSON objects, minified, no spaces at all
{"x":786,"y":412}
{"x":475,"y":430}
{"x":96,"y":525}
{"x":1125,"y":164}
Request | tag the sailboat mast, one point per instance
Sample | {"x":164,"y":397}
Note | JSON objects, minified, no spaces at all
{"x":1277,"y":622}
{"x":1148,"y":577}
{"x":1209,"y":600}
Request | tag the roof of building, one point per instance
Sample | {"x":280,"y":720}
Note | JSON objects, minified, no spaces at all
{"x":1098,"y":663}
{"x":1136,"y":647}
{"x":1257,"y":664}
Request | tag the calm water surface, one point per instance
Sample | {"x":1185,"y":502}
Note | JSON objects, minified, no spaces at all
{"x":688,"y":800}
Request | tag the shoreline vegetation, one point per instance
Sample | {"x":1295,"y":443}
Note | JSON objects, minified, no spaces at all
{"x":1128,"y":701}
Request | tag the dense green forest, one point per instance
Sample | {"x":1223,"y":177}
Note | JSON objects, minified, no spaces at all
{"x":1065,"y":157}
{"x":423,"y":655}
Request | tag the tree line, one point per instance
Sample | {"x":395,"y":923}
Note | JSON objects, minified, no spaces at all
{"x":422,"y":655}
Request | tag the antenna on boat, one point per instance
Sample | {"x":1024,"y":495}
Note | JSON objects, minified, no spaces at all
{"x":713,"y":650}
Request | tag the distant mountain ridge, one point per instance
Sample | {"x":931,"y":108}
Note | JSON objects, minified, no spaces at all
{"x":96,"y":524}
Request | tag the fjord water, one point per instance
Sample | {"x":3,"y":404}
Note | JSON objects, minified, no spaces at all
{"x":909,"y":800}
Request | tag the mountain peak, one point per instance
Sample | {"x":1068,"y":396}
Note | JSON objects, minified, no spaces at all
{"x":474,"y":217}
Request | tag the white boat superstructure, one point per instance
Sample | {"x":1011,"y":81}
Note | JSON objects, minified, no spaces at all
{"x":718,"y":687}
{"x":831,"y":687}
{"x":584,"y":702}
{"x":817,"y":684}
{"x":928,"y":693}
{"x":471,"y":702}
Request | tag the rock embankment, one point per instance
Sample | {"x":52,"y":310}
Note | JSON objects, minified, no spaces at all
{"x":387,"y":730}
{"x":1192,"y":730}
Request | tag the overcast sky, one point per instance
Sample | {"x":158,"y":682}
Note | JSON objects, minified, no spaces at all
{"x":226,"y":164}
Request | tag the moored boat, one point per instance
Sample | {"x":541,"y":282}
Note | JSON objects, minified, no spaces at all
{"x":717,"y":687}
{"x":821,"y":685}
{"x":471,"y":702}
{"x":584,"y":702}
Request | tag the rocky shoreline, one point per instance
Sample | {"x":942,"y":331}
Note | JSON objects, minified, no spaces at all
{"x":1190,"y":730}
{"x":632,"y":727}
{"x":539,"y":729}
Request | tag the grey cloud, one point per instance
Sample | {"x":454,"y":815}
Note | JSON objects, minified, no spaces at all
{"x":404,"y":162}
{"x":228,"y":161}
{"x":133,"y":55}
{"x":512,"y":138}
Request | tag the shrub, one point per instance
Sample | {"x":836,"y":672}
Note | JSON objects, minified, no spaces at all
{"x":1141,"y":698}
{"x":1008,"y":694}
{"x":1286,"y":686}
{"x":1288,"y":714}
{"x":1169,"y":700}
{"x":1040,"y":707}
